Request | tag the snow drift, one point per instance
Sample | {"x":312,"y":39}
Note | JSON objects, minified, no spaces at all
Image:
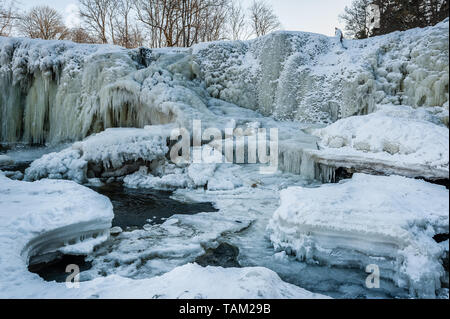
{"x":386,"y":221}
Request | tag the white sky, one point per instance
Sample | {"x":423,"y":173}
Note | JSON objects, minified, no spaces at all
{"x":319,"y":16}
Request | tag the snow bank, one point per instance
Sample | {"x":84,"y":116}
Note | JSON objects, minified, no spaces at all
{"x":386,"y":221}
{"x":40,"y":218}
{"x":103,"y":155}
{"x":398,"y":138}
{"x":46,"y":216}
{"x":194,"y":282}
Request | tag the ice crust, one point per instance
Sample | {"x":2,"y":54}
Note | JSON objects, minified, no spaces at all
{"x":386,"y":221}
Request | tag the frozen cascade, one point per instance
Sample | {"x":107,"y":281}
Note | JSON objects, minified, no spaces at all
{"x":54,"y":91}
{"x":311,"y":78}
{"x":58,"y":90}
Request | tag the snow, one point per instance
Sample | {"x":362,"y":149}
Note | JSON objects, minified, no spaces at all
{"x":311,"y":78}
{"x":194,"y":282}
{"x":405,"y":140}
{"x":386,"y":221}
{"x":61,"y":91}
{"x":39,"y":217}
{"x":5,"y":160}
{"x":388,"y":97}
{"x":104,"y":153}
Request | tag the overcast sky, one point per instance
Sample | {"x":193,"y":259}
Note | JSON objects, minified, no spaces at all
{"x":319,"y":16}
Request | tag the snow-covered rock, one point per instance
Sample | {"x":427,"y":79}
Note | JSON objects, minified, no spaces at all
{"x":393,"y":140}
{"x":195,"y":282}
{"x":103,"y":155}
{"x":368,"y":220}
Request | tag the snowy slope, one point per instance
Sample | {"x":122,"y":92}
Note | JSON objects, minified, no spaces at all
{"x":386,"y":221}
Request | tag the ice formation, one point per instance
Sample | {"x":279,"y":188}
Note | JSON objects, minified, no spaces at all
{"x":311,"y":78}
{"x":46,"y":216}
{"x":54,"y":91}
{"x":386,"y":221}
{"x":393,"y":140}
{"x":41,"y":218}
{"x":112,"y":153}
{"x":57,"y":90}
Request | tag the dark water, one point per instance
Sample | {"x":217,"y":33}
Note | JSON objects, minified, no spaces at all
{"x":56,"y":269}
{"x":21,"y":167}
{"x":134,"y":207}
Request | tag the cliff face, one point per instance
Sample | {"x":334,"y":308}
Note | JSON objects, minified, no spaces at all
{"x":53,"y":91}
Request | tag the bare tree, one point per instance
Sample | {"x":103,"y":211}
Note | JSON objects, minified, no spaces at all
{"x":122,"y":24}
{"x":98,"y":15}
{"x":237,"y":22}
{"x":8,"y":16}
{"x":43,"y":22}
{"x":183,"y":22}
{"x":263,"y":19}
{"x":80,"y":35}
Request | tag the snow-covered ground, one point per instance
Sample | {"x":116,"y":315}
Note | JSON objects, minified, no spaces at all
{"x":46,"y":216}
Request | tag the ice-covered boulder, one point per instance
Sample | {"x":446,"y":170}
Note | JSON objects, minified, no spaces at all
{"x":393,"y":140}
{"x":112,"y":153}
{"x":389,"y":222}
